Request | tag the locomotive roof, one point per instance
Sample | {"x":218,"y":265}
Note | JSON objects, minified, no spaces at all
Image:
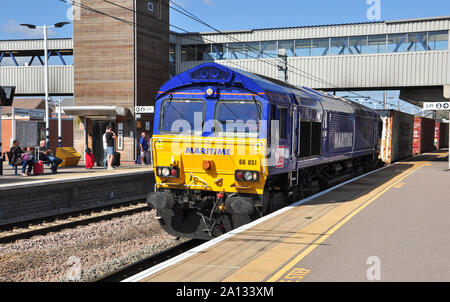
{"x":273,"y":90}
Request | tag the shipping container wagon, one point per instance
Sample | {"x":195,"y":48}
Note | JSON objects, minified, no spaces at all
{"x":423,"y":139}
{"x":441,"y":135}
{"x":397,"y":135}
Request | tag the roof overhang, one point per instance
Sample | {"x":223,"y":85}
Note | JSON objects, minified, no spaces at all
{"x":97,"y":111}
{"x":418,"y":95}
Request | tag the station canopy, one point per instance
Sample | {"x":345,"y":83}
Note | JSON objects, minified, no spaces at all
{"x":97,"y":111}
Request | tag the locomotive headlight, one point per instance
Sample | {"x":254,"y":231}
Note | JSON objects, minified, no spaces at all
{"x":252,"y":176}
{"x":248,"y":176}
{"x":211,"y":92}
{"x":165,"y":172}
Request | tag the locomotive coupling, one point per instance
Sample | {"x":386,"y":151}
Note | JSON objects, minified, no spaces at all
{"x":160,"y":200}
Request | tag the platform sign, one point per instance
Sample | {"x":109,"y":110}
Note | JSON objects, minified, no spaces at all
{"x":34,"y":114}
{"x":436,"y":106}
{"x":439,"y":106}
{"x":144,"y":109}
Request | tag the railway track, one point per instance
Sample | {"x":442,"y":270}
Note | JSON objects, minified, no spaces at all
{"x":27,"y":229}
{"x":137,"y":267}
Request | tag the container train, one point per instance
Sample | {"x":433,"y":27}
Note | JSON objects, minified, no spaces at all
{"x":230,"y":146}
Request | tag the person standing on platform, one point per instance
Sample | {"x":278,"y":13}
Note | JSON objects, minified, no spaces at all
{"x":143,"y":147}
{"x":110,"y":138}
{"x":105,"y":151}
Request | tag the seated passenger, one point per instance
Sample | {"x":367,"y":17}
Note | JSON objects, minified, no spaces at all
{"x":45,"y":154}
{"x":19,"y":157}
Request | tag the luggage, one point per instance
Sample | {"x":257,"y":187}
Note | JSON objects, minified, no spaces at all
{"x":116,"y":160}
{"x":38,"y":167}
{"x":147,"y":158}
{"x":89,"y":160}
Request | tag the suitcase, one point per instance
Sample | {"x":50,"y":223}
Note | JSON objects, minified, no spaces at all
{"x":89,"y":160}
{"x":147,"y":158}
{"x":116,"y":160}
{"x":38,"y":167}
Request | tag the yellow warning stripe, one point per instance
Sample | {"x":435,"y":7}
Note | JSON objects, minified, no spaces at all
{"x":285,"y":269}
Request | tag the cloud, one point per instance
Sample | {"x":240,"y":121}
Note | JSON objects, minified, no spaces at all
{"x":15,"y":29}
{"x":209,"y":2}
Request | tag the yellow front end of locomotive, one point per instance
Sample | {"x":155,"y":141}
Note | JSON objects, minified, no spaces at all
{"x":210,"y":163}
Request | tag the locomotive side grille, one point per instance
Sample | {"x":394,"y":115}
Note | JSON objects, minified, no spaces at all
{"x":364,"y":132}
{"x":340,"y":133}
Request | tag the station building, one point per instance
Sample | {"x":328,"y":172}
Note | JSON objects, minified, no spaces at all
{"x":116,"y":68}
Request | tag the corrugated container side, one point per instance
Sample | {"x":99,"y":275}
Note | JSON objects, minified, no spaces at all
{"x":385,"y":148}
{"x":417,"y":136}
{"x":427,"y":135}
{"x":443,"y":136}
{"x":402,"y":138}
{"x":397,"y":135}
{"x":437,"y":129}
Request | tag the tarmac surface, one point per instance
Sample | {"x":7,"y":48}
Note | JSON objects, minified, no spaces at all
{"x":9,"y":179}
{"x":404,"y":234}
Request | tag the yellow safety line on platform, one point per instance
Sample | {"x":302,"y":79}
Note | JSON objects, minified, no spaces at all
{"x":280,"y":273}
{"x":399,"y":185}
{"x":443,"y":155}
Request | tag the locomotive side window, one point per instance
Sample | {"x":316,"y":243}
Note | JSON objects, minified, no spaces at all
{"x":316,"y":139}
{"x":305,"y":139}
{"x":282,"y":117}
{"x":178,"y":116}
{"x":310,"y":139}
{"x":238,"y":116}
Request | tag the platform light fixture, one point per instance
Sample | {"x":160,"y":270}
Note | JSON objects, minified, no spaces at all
{"x":45,"y":28}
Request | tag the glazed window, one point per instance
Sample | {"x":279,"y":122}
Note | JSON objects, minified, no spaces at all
{"x":182,"y":116}
{"x":238,"y":116}
{"x":310,"y":139}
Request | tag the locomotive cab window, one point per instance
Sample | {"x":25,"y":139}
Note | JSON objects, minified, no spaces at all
{"x":282,"y":117}
{"x":240,"y":117}
{"x":310,"y":139}
{"x":179,"y":116}
{"x":279,"y":114}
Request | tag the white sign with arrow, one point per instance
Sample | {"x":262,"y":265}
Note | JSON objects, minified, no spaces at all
{"x":437,"y":106}
{"x":144,"y":109}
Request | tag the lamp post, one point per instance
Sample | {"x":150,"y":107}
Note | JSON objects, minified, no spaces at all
{"x":45,"y":28}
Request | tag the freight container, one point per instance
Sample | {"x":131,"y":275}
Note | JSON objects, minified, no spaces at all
{"x":441,"y":135}
{"x":423,"y":140}
{"x":397,"y":135}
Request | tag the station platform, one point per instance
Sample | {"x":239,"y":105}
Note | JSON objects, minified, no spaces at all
{"x":72,"y":189}
{"x":389,"y":225}
{"x":9,"y":179}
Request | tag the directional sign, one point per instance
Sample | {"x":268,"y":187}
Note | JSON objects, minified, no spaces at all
{"x":37,"y":114}
{"x":144,"y":109}
{"x":437,"y":106}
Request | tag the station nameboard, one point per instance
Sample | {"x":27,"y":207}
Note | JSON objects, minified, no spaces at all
{"x":34,"y":114}
{"x":144,"y":109}
{"x":437,"y":106}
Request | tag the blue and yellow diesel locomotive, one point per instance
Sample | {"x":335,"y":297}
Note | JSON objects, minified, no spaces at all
{"x":230,"y":146}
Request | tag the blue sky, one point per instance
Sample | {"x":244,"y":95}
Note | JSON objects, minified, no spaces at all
{"x":245,"y":14}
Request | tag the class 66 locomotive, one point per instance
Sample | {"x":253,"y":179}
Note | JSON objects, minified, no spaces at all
{"x":229,"y":147}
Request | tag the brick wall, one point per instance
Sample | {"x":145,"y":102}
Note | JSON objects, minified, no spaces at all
{"x":25,"y":202}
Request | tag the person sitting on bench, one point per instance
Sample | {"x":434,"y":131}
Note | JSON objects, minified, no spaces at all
{"x":19,"y":157}
{"x":46,"y":155}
